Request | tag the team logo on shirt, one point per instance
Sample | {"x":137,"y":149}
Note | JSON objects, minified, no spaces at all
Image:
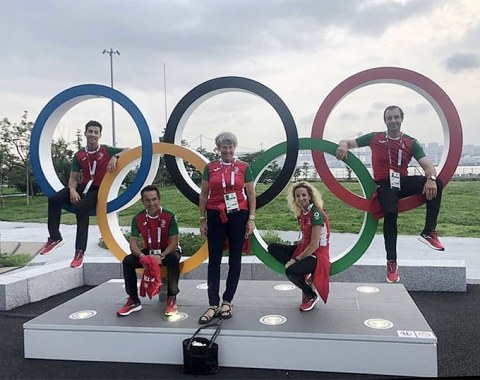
{"x":163,"y":223}
{"x":316,"y":215}
{"x":100,"y":155}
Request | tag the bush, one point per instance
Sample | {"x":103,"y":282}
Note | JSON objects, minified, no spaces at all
{"x":271,"y":236}
{"x":17,"y":260}
{"x":189,"y":242}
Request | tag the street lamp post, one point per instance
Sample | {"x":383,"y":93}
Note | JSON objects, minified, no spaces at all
{"x":111,"y":52}
{"x":1,"y":180}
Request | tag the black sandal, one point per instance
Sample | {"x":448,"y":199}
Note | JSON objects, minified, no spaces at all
{"x":226,"y":314}
{"x":206,"y":317}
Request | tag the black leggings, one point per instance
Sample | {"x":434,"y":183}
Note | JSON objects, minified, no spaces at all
{"x":388,"y":198}
{"x":132,"y":262}
{"x":82,"y":212}
{"x":297,"y":271}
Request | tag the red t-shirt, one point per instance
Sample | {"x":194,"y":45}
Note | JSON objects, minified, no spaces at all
{"x":93,"y":162}
{"x":314,"y":217}
{"x":150,"y":228}
{"x":226,"y":178}
{"x":385,"y":153}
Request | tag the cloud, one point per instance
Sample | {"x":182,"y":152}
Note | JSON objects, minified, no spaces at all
{"x":462,"y":61}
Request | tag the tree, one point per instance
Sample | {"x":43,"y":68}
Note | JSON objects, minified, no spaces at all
{"x":249,"y":158}
{"x":78,"y":139}
{"x":296,"y":174}
{"x":305,"y":168}
{"x":16,"y":138}
{"x":62,"y":157}
{"x":349,"y":173}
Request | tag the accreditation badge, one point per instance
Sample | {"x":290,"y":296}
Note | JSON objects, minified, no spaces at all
{"x":231,"y":202}
{"x":394,"y":179}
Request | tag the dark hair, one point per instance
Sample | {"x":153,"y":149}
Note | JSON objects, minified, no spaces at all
{"x":93,"y":123}
{"x":389,"y":108}
{"x":150,"y":188}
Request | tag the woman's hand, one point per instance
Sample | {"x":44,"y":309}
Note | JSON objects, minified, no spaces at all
{"x":289,"y":262}
{"x":203,"y":227}
{"x":250,"y":228}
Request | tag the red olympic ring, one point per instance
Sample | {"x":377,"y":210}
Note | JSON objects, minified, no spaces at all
{"x":440,"y":101}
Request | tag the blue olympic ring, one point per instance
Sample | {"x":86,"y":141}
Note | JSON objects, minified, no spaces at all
{"x":42,"y":133}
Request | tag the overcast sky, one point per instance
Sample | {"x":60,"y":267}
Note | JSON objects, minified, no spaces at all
{"x":300,"y":49}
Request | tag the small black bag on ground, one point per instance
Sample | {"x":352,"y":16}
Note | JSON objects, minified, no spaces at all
{"x":200,"y":355}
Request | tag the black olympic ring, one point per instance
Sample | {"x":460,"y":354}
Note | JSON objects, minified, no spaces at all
{"x":197,"y":96}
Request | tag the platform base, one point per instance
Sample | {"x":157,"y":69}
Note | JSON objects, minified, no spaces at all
{"x":364,"y":328}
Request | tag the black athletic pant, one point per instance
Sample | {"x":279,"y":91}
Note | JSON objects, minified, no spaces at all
{"x":132,"y":262}
{"x":297,"y":271}
{"x":82,"y":212}
{"x":388,"y":198}
{"x":233,"y":230}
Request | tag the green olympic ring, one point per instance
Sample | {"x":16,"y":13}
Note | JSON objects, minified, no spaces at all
{"x":369,"y":227}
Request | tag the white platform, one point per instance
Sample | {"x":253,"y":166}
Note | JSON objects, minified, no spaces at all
{"x":333,"y":337}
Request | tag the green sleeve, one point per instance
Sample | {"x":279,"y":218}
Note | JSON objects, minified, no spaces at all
{"x":418,"y":151}
{"x":173,"y":229}
{"x":206,"y":174}
{"x":248,"y":174}
{"x":134,"y":228}
{"x":317,"y":217}
{"x":113,"y":150}
{"x":365,"y":140}
{"x":75,"y":167}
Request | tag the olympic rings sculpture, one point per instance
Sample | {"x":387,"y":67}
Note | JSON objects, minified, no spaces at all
{"x":109,"y":202}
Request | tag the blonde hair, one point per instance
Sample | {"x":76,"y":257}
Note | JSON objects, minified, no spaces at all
{"x":315,"y":196}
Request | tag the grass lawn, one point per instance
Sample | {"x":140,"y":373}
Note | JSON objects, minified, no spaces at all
{"x":459,"y":215}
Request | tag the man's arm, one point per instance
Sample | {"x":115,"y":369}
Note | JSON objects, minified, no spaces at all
{"x":430,"y":188}
{"x":112,"y":164}
{"x":343,"y":147}
{"x":72,"y":186}
{"x":134,"y":247}
{"x":172,"y":246}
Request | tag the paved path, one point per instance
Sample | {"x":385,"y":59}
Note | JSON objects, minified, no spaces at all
{"x":409,"y":247}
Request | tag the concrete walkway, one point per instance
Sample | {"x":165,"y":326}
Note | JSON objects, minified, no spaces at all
{"x":409,"y":248}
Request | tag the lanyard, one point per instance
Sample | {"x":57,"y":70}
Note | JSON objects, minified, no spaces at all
{"x":400,"y":151}
{"x":303,"y":220}
{"x":159,"y":230}
{"x":91,"y":169}
{"x":232,"y":174}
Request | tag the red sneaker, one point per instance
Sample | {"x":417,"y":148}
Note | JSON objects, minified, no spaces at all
{"x":171,"y":308}
{"x":431,"y":240}
{"x":77,"y":261}
{"x":129,"y":307}
{"x":392,"y":271}
{"x":51,"y":246}
{"x":309,"y":303}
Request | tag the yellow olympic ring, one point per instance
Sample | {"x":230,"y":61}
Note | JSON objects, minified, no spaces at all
{"x":108,"y":223}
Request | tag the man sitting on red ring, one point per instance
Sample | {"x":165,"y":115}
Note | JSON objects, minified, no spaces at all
{"x":392,"y":151}
{"x":159,"y":229}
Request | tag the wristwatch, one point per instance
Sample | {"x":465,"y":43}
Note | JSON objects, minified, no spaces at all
{"x":432,"y":177}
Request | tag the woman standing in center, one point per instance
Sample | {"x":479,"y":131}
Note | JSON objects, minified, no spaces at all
{"x":226,"y":212}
